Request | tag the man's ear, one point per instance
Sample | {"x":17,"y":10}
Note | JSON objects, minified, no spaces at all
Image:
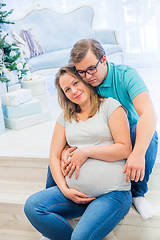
{"x":104,"y":59}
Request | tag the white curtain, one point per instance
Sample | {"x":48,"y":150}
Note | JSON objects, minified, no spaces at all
{"x":138,"y":25}
{"x":137,"y":21}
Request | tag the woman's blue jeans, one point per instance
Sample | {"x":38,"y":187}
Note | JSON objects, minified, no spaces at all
{"x":138,"y":188}
{"x":48,"y":210}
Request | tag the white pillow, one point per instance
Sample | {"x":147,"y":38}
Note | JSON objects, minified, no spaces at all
{"x":22,"y":44}
{"x":33,"y":42}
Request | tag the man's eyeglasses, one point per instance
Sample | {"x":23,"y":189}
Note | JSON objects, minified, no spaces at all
{"x":90,"y":70}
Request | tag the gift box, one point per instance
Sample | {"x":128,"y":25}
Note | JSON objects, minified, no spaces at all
{"x":31,"y":107}
{"x":2,"y":126}
{"x":14,"y":87}
{"x":37,"y":85}
{"x":3,"y":88}
{"x":15,"y":98}
{"x":27,"y":121}
{"x":12,"y":75}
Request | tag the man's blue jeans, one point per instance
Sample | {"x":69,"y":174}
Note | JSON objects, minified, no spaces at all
{"x":138,"y":188}
{"x":48,"y":210}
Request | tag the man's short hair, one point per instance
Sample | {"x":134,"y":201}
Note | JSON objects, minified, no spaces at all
{"x":81,"y":48}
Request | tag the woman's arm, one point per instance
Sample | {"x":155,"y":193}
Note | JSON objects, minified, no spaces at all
{"x":119,"y":127}
{"x":57,"y":145}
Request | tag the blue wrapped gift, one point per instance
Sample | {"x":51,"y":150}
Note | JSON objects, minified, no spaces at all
{"x":27,"y":121}
{"x":28,"y":108}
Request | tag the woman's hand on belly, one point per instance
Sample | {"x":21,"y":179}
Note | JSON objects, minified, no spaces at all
{"x":76,"y":196}
{"x":77,"y":158}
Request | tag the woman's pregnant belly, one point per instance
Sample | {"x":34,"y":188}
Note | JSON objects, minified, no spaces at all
{"x":98,"y":177}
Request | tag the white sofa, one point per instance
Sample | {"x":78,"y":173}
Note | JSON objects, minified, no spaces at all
{"x":58,"y":32}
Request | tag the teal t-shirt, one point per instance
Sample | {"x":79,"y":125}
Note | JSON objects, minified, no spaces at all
{"x":123,"y":83}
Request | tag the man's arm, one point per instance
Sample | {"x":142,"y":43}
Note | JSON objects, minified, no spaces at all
{"x":146,"y":125}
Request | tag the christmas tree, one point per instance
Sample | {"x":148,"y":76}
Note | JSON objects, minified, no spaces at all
{"x":10,"y":56}
{"x":4,"y":15}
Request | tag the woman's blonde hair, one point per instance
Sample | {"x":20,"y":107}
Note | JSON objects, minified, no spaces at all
{"x":71,"y":109}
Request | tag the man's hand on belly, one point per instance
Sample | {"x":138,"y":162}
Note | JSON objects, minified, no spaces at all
{"x":65,"y":159}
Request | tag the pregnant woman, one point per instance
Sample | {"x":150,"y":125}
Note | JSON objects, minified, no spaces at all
{"x":95,"y":187}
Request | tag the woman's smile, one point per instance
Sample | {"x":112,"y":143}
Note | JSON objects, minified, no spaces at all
{"x":77,"y":97}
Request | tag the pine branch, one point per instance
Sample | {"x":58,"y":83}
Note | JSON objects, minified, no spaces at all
{"x":7,"y":50}
{"x":3,"y":39}
{"x":2,"y":5}
{"x":4,"y":79}
{"x":4,"y":15}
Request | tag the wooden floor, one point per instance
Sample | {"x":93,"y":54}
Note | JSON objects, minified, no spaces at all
{"x":24,"y":156}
